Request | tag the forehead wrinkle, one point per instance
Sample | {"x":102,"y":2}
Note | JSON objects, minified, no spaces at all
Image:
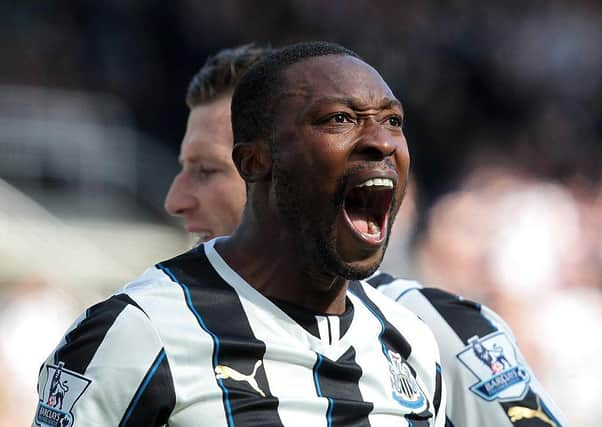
{"x":302,"y":80}
{"x":298,"y":91}
{"x":358,"y":104}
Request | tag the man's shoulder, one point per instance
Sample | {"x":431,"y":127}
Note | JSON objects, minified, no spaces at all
{"x":453,"y":319}
{"x":152,"y":281}
{"x":166,"y":277}
{"x":367,"y":292}
{"x":418,"y":297}
{"x":391,"y":286}
{"x":133,"y":312}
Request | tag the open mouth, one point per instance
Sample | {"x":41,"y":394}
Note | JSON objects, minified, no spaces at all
{"x":367,"y":208}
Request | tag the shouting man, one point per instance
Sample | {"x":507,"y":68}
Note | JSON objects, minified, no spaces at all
{"x":206,"y":194}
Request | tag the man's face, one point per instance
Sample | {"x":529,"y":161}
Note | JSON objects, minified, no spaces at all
{"x":208,"y":193}
{"x":340,"y":163}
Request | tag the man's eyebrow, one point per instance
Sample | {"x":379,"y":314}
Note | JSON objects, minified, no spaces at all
{"x":356,"y":104}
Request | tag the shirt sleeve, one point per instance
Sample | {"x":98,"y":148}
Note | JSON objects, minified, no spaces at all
{"x":544,"y":408}
{"x":109,"y":369}
{"x":488,"y":380}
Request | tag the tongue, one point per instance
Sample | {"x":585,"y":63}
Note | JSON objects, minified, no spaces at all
{"x":363,"y":224}
{"x":359,"y":222}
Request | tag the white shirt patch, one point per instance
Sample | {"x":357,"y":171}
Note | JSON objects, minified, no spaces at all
{"x":493,"y":361}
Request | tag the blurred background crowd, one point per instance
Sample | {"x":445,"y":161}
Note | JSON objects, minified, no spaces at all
{"x":503,"y":108}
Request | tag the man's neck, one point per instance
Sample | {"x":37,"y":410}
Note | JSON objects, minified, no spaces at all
{"x":272,"y":266}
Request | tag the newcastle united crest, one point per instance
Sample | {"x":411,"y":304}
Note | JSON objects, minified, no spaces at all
{"x":406,"y":389}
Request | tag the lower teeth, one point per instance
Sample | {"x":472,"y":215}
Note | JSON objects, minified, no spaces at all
{"x":373,"y":228}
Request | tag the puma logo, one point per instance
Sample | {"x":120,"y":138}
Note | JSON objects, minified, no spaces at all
{"x":517,"y":413}
{"x":224,"y":372}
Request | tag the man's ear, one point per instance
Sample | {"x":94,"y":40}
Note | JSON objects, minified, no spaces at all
{"x":253,"y":160}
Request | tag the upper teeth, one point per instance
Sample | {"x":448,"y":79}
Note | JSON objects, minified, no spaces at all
{"x":377,"y":182}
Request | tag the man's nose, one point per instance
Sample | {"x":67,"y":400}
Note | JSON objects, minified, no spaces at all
{"x":375,"y":142}
{"x":180,"y":198}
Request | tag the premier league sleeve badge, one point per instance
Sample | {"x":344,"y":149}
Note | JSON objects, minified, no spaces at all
{"x":60,"y":393}
{"x":492,"y":359}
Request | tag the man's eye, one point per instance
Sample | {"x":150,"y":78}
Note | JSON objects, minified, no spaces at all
{"x":395,"y":121}
{"x":340,"y":118}
{"x":203,"y":174}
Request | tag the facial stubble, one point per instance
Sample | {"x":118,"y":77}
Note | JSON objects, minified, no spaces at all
{"x":314,"y":226}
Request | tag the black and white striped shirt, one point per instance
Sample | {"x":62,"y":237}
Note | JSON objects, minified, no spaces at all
{"x":488,"y":381}
{"x":191,"y":343}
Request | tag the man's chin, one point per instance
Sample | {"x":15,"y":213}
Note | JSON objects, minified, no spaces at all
{"x":359,"y":264}
{"x":358,"y":272}
{"x":197,"y":239}
{"x":354,"y":270}
{"x":351,"y":263}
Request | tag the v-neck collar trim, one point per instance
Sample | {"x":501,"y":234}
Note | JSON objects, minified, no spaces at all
{"x":311,"y":320}
{"x":289,"y":324}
